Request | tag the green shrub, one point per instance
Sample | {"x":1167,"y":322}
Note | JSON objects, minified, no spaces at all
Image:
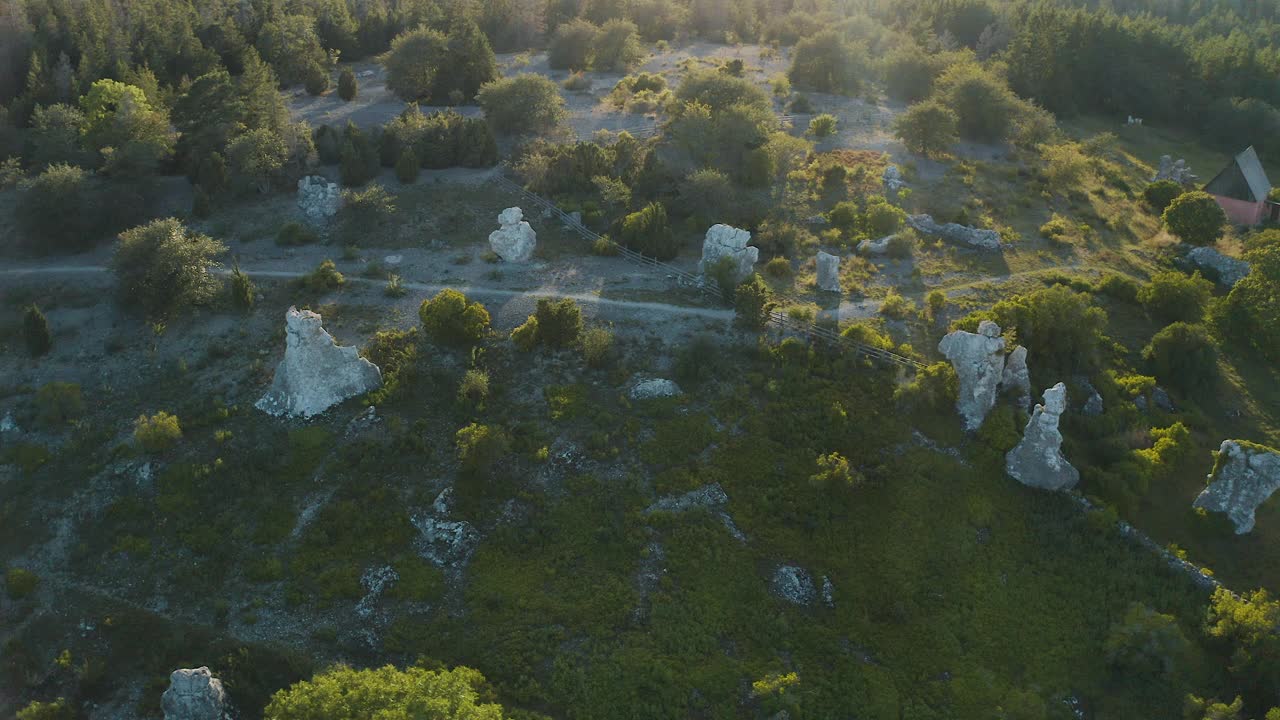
{"x":927,"y":128}
{"x":753,"y":302}
{"x":474,"y":387}
{"x":1184,"y":356}
{"x":821,"y":126}
{"x":157,"y":433}
{"x":933,"y":389}
{"x":316,"y":80}
{"x":901,"y":246}
{"x":597,"y":347}
{"x":1056,"y":227}
{"x":162,"y":267}
{"x":58,"y":403}
{"x":394,"y":287}
{"x":778,"y":267}
{"x":570,"y":45}
{"x":649,"y":232}
{"x":1120,"y":287}
{"x":1160,"y":193}
{"x":896,"y":306}
{"x":243,"y":292}
{"x":20,"y":583}
{"x":1250,"y":314}
{"x":1195,"y":218}
{"x":449,"y":317}
{"x":35,"y":331}
{"x":559,"y":321}
{"x":323,"y":278}
{"x":525,"y":336}
{"x":604,"y":247}
{"x":577,"y":82}
{"x":524,"y":104}
{"x":407,"y":166}
{"x":883,"y":218}
{"x":934,"y":304}
{"x":833,"y":471}
{"x":348,"y":86}
{"x":826,"y":62}
{"x":617,"y":46}
{"x":56,"y":710}
{"x":480,"y":447}
{"x":295,"y":233}
{"x":201,"y":205}
{"x":1173,"y":296}
{"x":387,"y":692}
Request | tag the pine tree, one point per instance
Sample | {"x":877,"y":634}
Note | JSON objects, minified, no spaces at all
{"x":348,"y":88}
{"x":407,"y":166}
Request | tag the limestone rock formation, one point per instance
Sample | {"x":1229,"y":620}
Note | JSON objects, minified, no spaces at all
{"x":446,"y":543}
{"x":1175,"y":171}
{"x":876,"y":247}
{"x":1017,"y":376}
{"x":194,"y":695}
{"x":794,"y":585}
{"x":956,"y":234}
{"x":1037,"y":461}
{"x":515,"y":241}
{"x":979,"y":363}
{"x":318,"y":199}
{"x":892,"y":181}
{"x":829,"y":272}
{"x":710,"y":497}
{"x":1243,"y":478}
{"x":648,"y":389}
{"x":316,"y":373}
{"x":828,"y":592}
{"x":724,"y":241}
{"x":1224,"y":268}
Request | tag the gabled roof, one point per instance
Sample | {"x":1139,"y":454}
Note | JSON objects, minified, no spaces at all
{"x":1244,"y":179}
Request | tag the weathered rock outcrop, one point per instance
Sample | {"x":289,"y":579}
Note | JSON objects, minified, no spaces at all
{"x":1037,"y":461}
{"x":194,"y":695}
{"x":447,"y":543}
{"x":829,"y":272}
{"x":1175,"y":171}
{"x":892,"y":182}
{"x":316,"y":373}
{"x":1223,"y":268}
{"x":979,"y":363}
{"x":515,"y":240}
{"x":794,"y":585}
{"x":1092,"y":406}
{"x":318,"y":199}
{"x":956,"y":234}
{"x":1016,"y":376}
{"x":647,"y":389}
{"x":876,"y":247}
{"x":1243,"y":477}
{"x":723,"y":241}
{"x":710,"y":497}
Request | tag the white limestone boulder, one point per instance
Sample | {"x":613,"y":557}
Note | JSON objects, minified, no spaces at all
{"x":515,"y":240}
{"x":956,"y":234}
{"x":978,"y":359}
{"x":316,"y":373}
{"x":1017,"y":377}
{"x":892,"y":181}
{"x":723,"y":241}
{"x":194,"y":694}
{"x":793,"y":584}
{"x":876,"y":247}
{"x":1225,"y":269}
{"x":1037,"y":461}
{"x":318,"y":199}
{"x":1244,"y":476}
{"x":650,"y":388}
{"x":829,"y":272}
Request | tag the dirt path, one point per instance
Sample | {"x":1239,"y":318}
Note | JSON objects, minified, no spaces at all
{"x":475,"y":290}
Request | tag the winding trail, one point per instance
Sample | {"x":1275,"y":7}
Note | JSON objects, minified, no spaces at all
{"x":476,"y":290}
